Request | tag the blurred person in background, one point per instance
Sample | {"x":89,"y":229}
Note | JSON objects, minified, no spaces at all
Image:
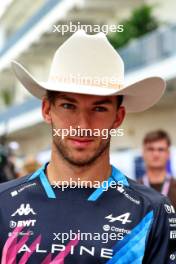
{"x":30,"y":165}
{"x":156,"y":154}
{"x":7,"y":164}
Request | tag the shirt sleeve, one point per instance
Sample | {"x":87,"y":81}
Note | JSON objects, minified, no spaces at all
{"x":161,"y":242}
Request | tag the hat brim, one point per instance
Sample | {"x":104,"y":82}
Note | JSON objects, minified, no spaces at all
{"x":138,"y":97}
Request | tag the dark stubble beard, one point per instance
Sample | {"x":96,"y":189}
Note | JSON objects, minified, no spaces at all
{"x":64,"y":152}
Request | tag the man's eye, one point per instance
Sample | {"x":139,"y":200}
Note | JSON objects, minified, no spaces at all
{"x":100,"y":109}
{"x":68,"y":106}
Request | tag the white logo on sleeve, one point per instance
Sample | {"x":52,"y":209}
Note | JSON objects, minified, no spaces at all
{"x":24,"y":210}
{"x":172,"y":257}
{"x":14,"y":193}
{"x":169,"y":209}
{"x":173,"y":234}
{"x":124,"y":218}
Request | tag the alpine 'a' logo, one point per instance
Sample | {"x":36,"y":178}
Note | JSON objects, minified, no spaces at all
{"x":124,"y":218}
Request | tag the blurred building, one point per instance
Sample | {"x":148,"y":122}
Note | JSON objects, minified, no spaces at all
{"x":26,"y":35}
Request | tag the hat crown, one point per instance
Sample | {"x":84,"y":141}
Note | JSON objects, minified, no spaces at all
{"x":84,"y":55}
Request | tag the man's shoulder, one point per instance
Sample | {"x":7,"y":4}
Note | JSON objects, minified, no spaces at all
{"x":147,"y":194}
{"x":5,"y":186}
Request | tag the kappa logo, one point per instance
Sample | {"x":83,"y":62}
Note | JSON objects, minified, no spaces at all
{"x":124,"y":218}
{"x":24,"y":210}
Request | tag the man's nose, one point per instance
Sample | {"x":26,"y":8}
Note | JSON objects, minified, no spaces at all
{"x":84,"y":120}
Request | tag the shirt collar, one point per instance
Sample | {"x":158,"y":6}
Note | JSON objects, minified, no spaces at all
{"x":116,"y":175}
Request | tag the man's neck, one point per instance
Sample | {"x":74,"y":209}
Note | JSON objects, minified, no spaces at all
{"x":156,"y":176}
{"x":59,"y":170}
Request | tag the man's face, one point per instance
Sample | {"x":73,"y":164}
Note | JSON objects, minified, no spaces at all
{"x":85,"y":112}
{"x":156,"y":154}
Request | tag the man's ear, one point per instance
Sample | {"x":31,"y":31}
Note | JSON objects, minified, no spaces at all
{"x":46,"y":110}
{"x":120,"y":115}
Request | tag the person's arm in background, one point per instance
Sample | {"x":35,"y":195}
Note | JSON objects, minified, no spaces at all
{"x":161,"y":245}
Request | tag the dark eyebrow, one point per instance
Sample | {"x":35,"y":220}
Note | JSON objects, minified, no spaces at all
{"x":72,"y":100}
{"x":66,"y":97}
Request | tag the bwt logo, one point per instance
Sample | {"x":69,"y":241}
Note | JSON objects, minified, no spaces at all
{"x":22,"y":223}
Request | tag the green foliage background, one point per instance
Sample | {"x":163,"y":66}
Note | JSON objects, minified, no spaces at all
{"x":138,"y":24}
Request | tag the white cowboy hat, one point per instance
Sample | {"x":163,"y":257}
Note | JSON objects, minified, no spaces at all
{"x":88,"y":64}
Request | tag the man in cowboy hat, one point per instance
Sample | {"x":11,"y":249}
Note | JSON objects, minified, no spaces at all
{"x":106,"y":217}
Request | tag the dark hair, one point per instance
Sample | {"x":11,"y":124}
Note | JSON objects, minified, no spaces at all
{"x":52,"y":95}
{"x":119,"y":100}
{"x":156,"y":136}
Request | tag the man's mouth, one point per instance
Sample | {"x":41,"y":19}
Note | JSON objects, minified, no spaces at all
{"x":81,"y":142}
